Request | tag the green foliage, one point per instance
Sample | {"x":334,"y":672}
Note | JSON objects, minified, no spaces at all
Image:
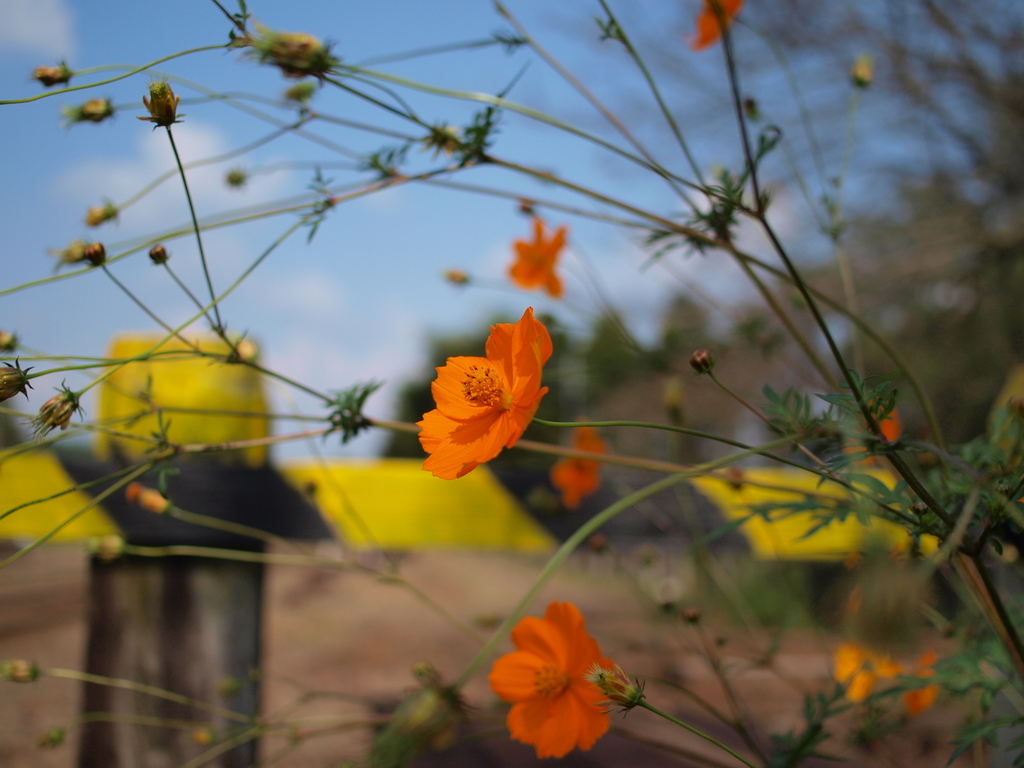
{"x":347,"y":413}
{"x":791,"y":749}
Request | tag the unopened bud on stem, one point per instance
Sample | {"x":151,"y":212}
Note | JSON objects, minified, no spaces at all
{"x":702,"y":361}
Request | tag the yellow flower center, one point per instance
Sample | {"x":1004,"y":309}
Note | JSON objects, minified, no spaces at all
{"x":550,"y":681}
{"x":483,"y":387}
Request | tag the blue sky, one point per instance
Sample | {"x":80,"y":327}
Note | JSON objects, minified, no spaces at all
{"x":359,"y":301}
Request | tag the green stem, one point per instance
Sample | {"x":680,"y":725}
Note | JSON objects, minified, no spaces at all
{"x":582,"y":534}
{"x":677,"y":132}
{"x":134,"y":71}
{"x":195,"y":226}
{"x":148,"y":690}
{"x":696,"y":731}
{"x":139,"y":471}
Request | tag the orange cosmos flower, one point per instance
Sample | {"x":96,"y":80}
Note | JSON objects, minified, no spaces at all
{"x":708,"y":26}
{"x":576,"y":478}
{"x":919,"y":700}
{"x":535,"y":262}
{"x":485,"y":403}
{"x":859,"y":669}
{"x":555,"y":707}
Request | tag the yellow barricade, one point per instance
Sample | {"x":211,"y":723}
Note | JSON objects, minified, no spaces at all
{"x":29,"y":476}
{"x":784,"y":538}
{"x":204,"y":400}
{"x":393,"y":503}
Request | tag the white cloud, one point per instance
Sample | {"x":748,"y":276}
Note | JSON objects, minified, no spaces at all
{"x":42,"y":26}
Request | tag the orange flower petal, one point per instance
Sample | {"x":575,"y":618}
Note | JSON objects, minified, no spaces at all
{"x":847,"y":660}
{"x":860,"y":686}
{"x":918,"y":701}
{"x":558,"y":719}
{"x":535,"y":262}
{"x":479,"y":412}
{"x":708,"y":28}
{"x":514,"y":675}
{"x":543,"y":639}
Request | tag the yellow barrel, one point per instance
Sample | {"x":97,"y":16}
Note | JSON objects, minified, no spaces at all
{"x":201,"y":398}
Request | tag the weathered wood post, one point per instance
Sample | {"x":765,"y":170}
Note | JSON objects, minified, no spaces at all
{"x":187,"y":625}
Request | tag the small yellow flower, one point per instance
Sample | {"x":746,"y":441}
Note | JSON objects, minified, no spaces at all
{"x":162,"y":104}
{"x":8,"y":341}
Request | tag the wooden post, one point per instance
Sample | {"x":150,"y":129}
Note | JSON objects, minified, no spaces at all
{"x":187,"y":625}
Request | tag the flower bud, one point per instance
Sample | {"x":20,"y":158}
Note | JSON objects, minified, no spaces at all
{"x":202,"y":736}
{"x":673,"y":400}
{"x":691,"y":615}
{"x":51,"y":76}
{"x":51,"y":738}
{"x":751,"y":109}
{"x":74,"y":253}
{"x":56,"y":412}
{"x":702,"y":361}
{"x":443,"y":138}
{"x":295,"y":53}
{"x":91,"y":111}
{"x":162,"y":104}
{"x":95,"y":253}
{"x":159,"y":254}
{"x":18,"y":670}
{"x":13,"y":381}
{"x":456,"y":276}
{"x":98,"y":214}
{"x":863,"y":70}
{"x":526,"y":206}
{"x":301,"y":93}
{"x":598,"y":542}
{"x":8,"y":341}
{"x":614,"y":684}
{"x":426,"y":722}
{"x":236,"y":178}
{"x":149,"y":499}
{"x":107,"y":548}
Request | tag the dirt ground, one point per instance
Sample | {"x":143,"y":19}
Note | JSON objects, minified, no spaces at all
{"x":344,"y":632}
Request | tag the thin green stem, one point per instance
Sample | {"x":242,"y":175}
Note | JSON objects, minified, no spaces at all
{"x":195,"y":226}
{"x":594,"y":101}
{"x":139,"y":471}
{"x":147,"y":310}
{"x":676,"y":131}
{"x":133,"y":71}
{"x":148,"y":690}
{"x":581,"y":535}
{"x":696,"y":731}
{"x":66,"y":491}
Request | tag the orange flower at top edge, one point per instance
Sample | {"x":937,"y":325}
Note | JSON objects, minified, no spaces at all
{"x":534,"y":266}
{"x":576,"y":478}
{"x":919,"y":700}
{"x":859,"y":669}
{"x":708,"y":26}
{"x":554,"y":707}
{"x":485,"y":403}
